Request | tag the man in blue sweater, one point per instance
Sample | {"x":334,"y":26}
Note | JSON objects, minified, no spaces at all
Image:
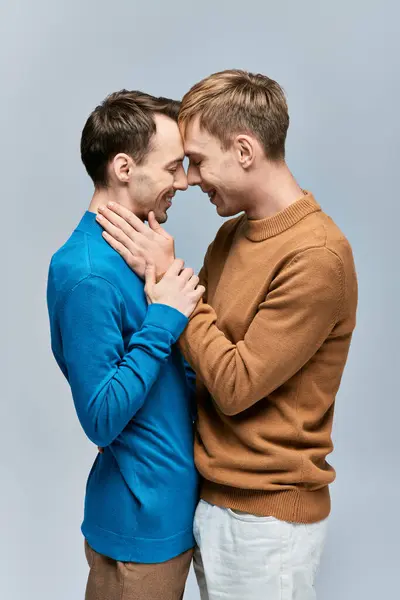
{"x":131,"y":388}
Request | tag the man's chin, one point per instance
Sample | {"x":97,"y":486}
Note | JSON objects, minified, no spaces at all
{"x":225,"y":211}
{"x":161,"y":218}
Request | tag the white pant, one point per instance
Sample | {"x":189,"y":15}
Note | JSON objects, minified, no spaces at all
{"x":244,"y":557}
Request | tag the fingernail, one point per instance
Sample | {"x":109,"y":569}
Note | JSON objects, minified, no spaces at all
{"x":101,"y":208}
{"x":111,"y":204}
{"x":99,"y":218}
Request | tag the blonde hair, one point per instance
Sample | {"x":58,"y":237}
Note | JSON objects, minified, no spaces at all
{"x":235,"y":101}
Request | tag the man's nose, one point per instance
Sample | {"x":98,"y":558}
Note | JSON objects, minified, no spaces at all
{"x":181,"y":181}
{"x":193,"y":176}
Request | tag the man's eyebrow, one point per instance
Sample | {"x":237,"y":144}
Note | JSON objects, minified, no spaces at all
{"x":176,"y":160}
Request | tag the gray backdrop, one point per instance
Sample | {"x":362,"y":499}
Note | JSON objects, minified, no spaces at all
{"x":339,"y":64}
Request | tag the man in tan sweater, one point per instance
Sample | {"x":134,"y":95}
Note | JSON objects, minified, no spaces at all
{"x":268,"y":343}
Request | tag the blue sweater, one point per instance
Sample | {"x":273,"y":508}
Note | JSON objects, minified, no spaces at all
{"x":133,"y":397}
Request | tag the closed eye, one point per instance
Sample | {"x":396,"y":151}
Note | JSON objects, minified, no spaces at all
{"x":174,"y":166}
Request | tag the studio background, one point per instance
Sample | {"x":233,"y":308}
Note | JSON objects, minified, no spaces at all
{"x":339,"y":63}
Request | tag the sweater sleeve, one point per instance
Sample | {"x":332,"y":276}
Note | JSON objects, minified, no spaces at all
{"x":298,"y":314}
{"x":110,"y":379}
{"x":191,"y":382}
{"x":203,"y":273}
{"x":190,"y":374}
{"x":190,"y":377}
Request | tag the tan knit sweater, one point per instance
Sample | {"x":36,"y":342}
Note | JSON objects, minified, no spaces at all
{"x":269,"y":345}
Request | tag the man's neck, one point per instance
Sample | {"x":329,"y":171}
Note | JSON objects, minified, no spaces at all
{"x":275,"y":190}
{"x":102,"y":196}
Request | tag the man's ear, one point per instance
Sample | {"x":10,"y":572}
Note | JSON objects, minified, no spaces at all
{"x":122,"y":165}
{"x":244,"y":146}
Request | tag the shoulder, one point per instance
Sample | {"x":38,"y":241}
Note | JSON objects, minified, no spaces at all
{"x":86,"y":265}
{"x":70,"y":264}
{"x":316,"y":232}
{"x":322,"y":254}
{"x":327,"y":235}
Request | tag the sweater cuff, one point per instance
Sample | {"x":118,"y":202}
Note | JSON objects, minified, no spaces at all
{"x":167,"y":318}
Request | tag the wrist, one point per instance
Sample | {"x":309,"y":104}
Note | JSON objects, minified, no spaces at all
{"x":160,"y":272}
{"x":166,"y":317}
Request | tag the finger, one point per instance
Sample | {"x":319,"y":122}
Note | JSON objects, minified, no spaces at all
{"x":193,"y":282}
{"x":153,"y":223}
{"x":134,"y":260}
{"x":150,"y":278}
{"x":186,"y":274}
{"x":199,"y":292}
{"x":107,"y":219}
{"x":121,"y":239}
{"x":127,"y":239}
{"x":175,"y":267}
{"x":156,"y":227}
{"x":130,"y":218}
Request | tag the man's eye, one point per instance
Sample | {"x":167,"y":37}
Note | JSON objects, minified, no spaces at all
{"x":197,"y":163}
{"x":174,"y":170}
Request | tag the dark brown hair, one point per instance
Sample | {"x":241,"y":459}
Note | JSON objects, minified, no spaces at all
{"x":123,"y":122}
{"x":235,"y":101}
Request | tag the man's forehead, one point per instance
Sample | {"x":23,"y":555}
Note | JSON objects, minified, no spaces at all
{"x":167,"y":131}
{"x":169,"y":149}
{"x":194,"y":144}
{"x":168,"y":141}
{"x":195,"y":138}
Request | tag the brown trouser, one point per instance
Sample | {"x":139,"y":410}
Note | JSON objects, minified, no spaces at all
{"x":114,"y":580}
